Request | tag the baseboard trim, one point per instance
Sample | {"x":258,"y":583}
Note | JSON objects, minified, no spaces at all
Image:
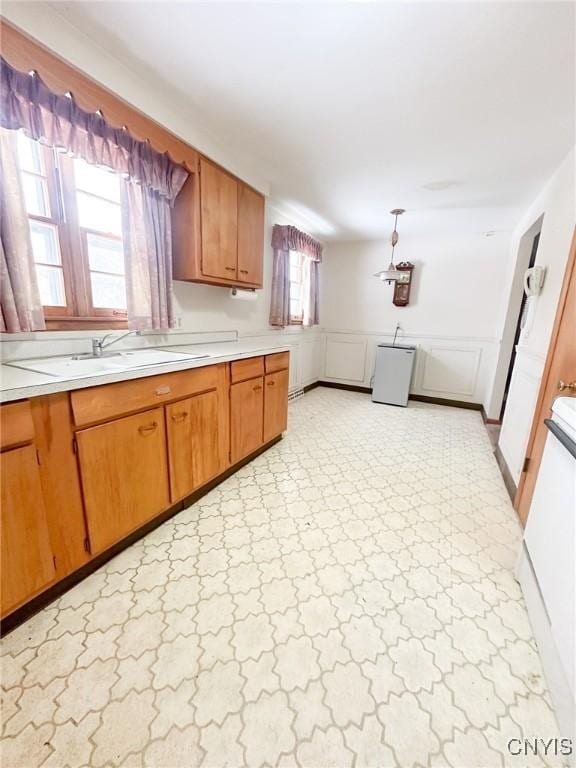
{"x":506,"y":474}
{"x":417,"y":398}
{"x":486,"y":420}
{"x":25,"y":612}
{"x":347,"y":387}
{"x":310,"y":387}
{"x":445,"y":401}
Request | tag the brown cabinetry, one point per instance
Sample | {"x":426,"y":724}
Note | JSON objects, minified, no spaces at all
{"x":218,"y":230}
{"x":81,"y":471}
{"x":258,"y":402}
{"x":27,"y":559}
{"x":219,"y":222}
{"x":194,"y":429}
{"x":250,"y":235}
{"x":275,"y":404}
{"x":124,"y":475}
{"x":247,"y":417}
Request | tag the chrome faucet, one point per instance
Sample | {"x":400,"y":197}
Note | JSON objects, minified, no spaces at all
{"x":99,"y":344}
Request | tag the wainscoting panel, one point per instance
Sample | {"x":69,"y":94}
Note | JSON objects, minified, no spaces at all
{"x":311,"y":359}
{"x":519,"y":411}
{"x":450,"y":370}
{"x":453,"y":368}
{"x":345,"y":359}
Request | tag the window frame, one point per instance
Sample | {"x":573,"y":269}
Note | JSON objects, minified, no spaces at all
{"x":297,"y":319}
{"x":79,"y":312}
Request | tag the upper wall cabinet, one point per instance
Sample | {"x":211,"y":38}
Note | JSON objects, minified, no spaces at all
{"x":250,"y":235}
{"x":218,"y":222}
{"x":218,"y":230}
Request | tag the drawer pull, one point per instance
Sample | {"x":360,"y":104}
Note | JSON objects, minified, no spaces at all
{"x":148,"y":428}
{"x":163,"y":391}
{"x":179,"y":416}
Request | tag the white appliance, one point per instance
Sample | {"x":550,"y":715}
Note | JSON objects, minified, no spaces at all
{"x":392,"y":374}
{"x":546,"y":568}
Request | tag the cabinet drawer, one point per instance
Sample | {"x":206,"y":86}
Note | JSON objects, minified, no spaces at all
{"x":112,"y":400}
{"x":277,"y":362}
{"x":16,"y":426}
{"x":242,"y":370}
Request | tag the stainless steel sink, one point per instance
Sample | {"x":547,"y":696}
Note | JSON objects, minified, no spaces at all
{"x":71,"y":367}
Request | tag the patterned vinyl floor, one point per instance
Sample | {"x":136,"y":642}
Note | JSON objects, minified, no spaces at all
{"x":347,"y":599}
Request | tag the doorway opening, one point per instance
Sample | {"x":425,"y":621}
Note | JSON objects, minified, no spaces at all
{"x":519,"y":325}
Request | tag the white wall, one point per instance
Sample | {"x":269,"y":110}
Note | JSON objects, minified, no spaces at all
{"x":452,"y":317}
{"x":557,"y":204}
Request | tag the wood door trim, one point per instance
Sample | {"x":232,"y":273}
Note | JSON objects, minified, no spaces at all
{"x":569,"y":275}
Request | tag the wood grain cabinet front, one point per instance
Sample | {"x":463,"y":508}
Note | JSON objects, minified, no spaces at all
{"x":27,"y":559}
{"x":194,"y":428}
{"x":275,"y":404}
{"x":124,"y":475}
{"x":219,"y":217}
{"x":250,"y":235}
{"x":246,"y":417}
{"x":218,"y":230}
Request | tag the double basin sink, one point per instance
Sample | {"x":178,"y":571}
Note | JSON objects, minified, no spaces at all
{"x":71,"y":367}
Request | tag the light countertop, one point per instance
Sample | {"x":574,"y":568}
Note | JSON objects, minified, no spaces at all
{"x":20,"y":384}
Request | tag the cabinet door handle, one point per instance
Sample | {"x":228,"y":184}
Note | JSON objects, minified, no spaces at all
{"x":270,"y":383}
{"x":179,"y":416}
{"x":163,"y":391}
{"x":257,"y":388}
{"x":243,"y":271}
{"x":148,"y":428}
{"x":231,"y":269}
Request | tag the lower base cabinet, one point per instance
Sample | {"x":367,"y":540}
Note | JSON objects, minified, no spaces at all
{"x":82,"y":471}
{"x":194,"y":427}
{"x":27,"y":560}
{"x":246,"y":417}
{"x":124,"y":475}
{"x":275,"y":404}
{"x":258,"y":406}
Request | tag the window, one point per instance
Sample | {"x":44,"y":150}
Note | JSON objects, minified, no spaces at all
{"x":296,"y":287}
{"x":74,"y":215}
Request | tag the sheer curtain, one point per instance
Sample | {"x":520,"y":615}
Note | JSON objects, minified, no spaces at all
{"x":19,"y":295}
{"x":152,"y":181}
{"x":284,"y":240}
{"x":147,"y":241}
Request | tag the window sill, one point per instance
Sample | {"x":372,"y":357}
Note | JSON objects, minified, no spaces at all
{"x":68,"y":323}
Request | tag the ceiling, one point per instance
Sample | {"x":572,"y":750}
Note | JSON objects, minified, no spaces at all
{"x":458,"y":112}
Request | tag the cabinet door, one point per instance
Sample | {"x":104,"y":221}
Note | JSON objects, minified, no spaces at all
{"x":124,"y":475}
{"x":246,"y":417}
{"x":27,"y":561}
{"x":250,"y":235}
{"x":193,"y":443}
{"x":219,"y":222}
{"x":275,"y":404}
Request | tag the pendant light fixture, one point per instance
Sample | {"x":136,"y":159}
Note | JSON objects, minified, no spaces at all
{"x":391,"y":274}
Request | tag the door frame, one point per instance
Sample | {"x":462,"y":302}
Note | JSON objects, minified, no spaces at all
{"x":524,"y":494}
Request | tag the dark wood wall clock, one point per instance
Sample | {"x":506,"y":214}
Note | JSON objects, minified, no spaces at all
{"x":402,"y":284}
